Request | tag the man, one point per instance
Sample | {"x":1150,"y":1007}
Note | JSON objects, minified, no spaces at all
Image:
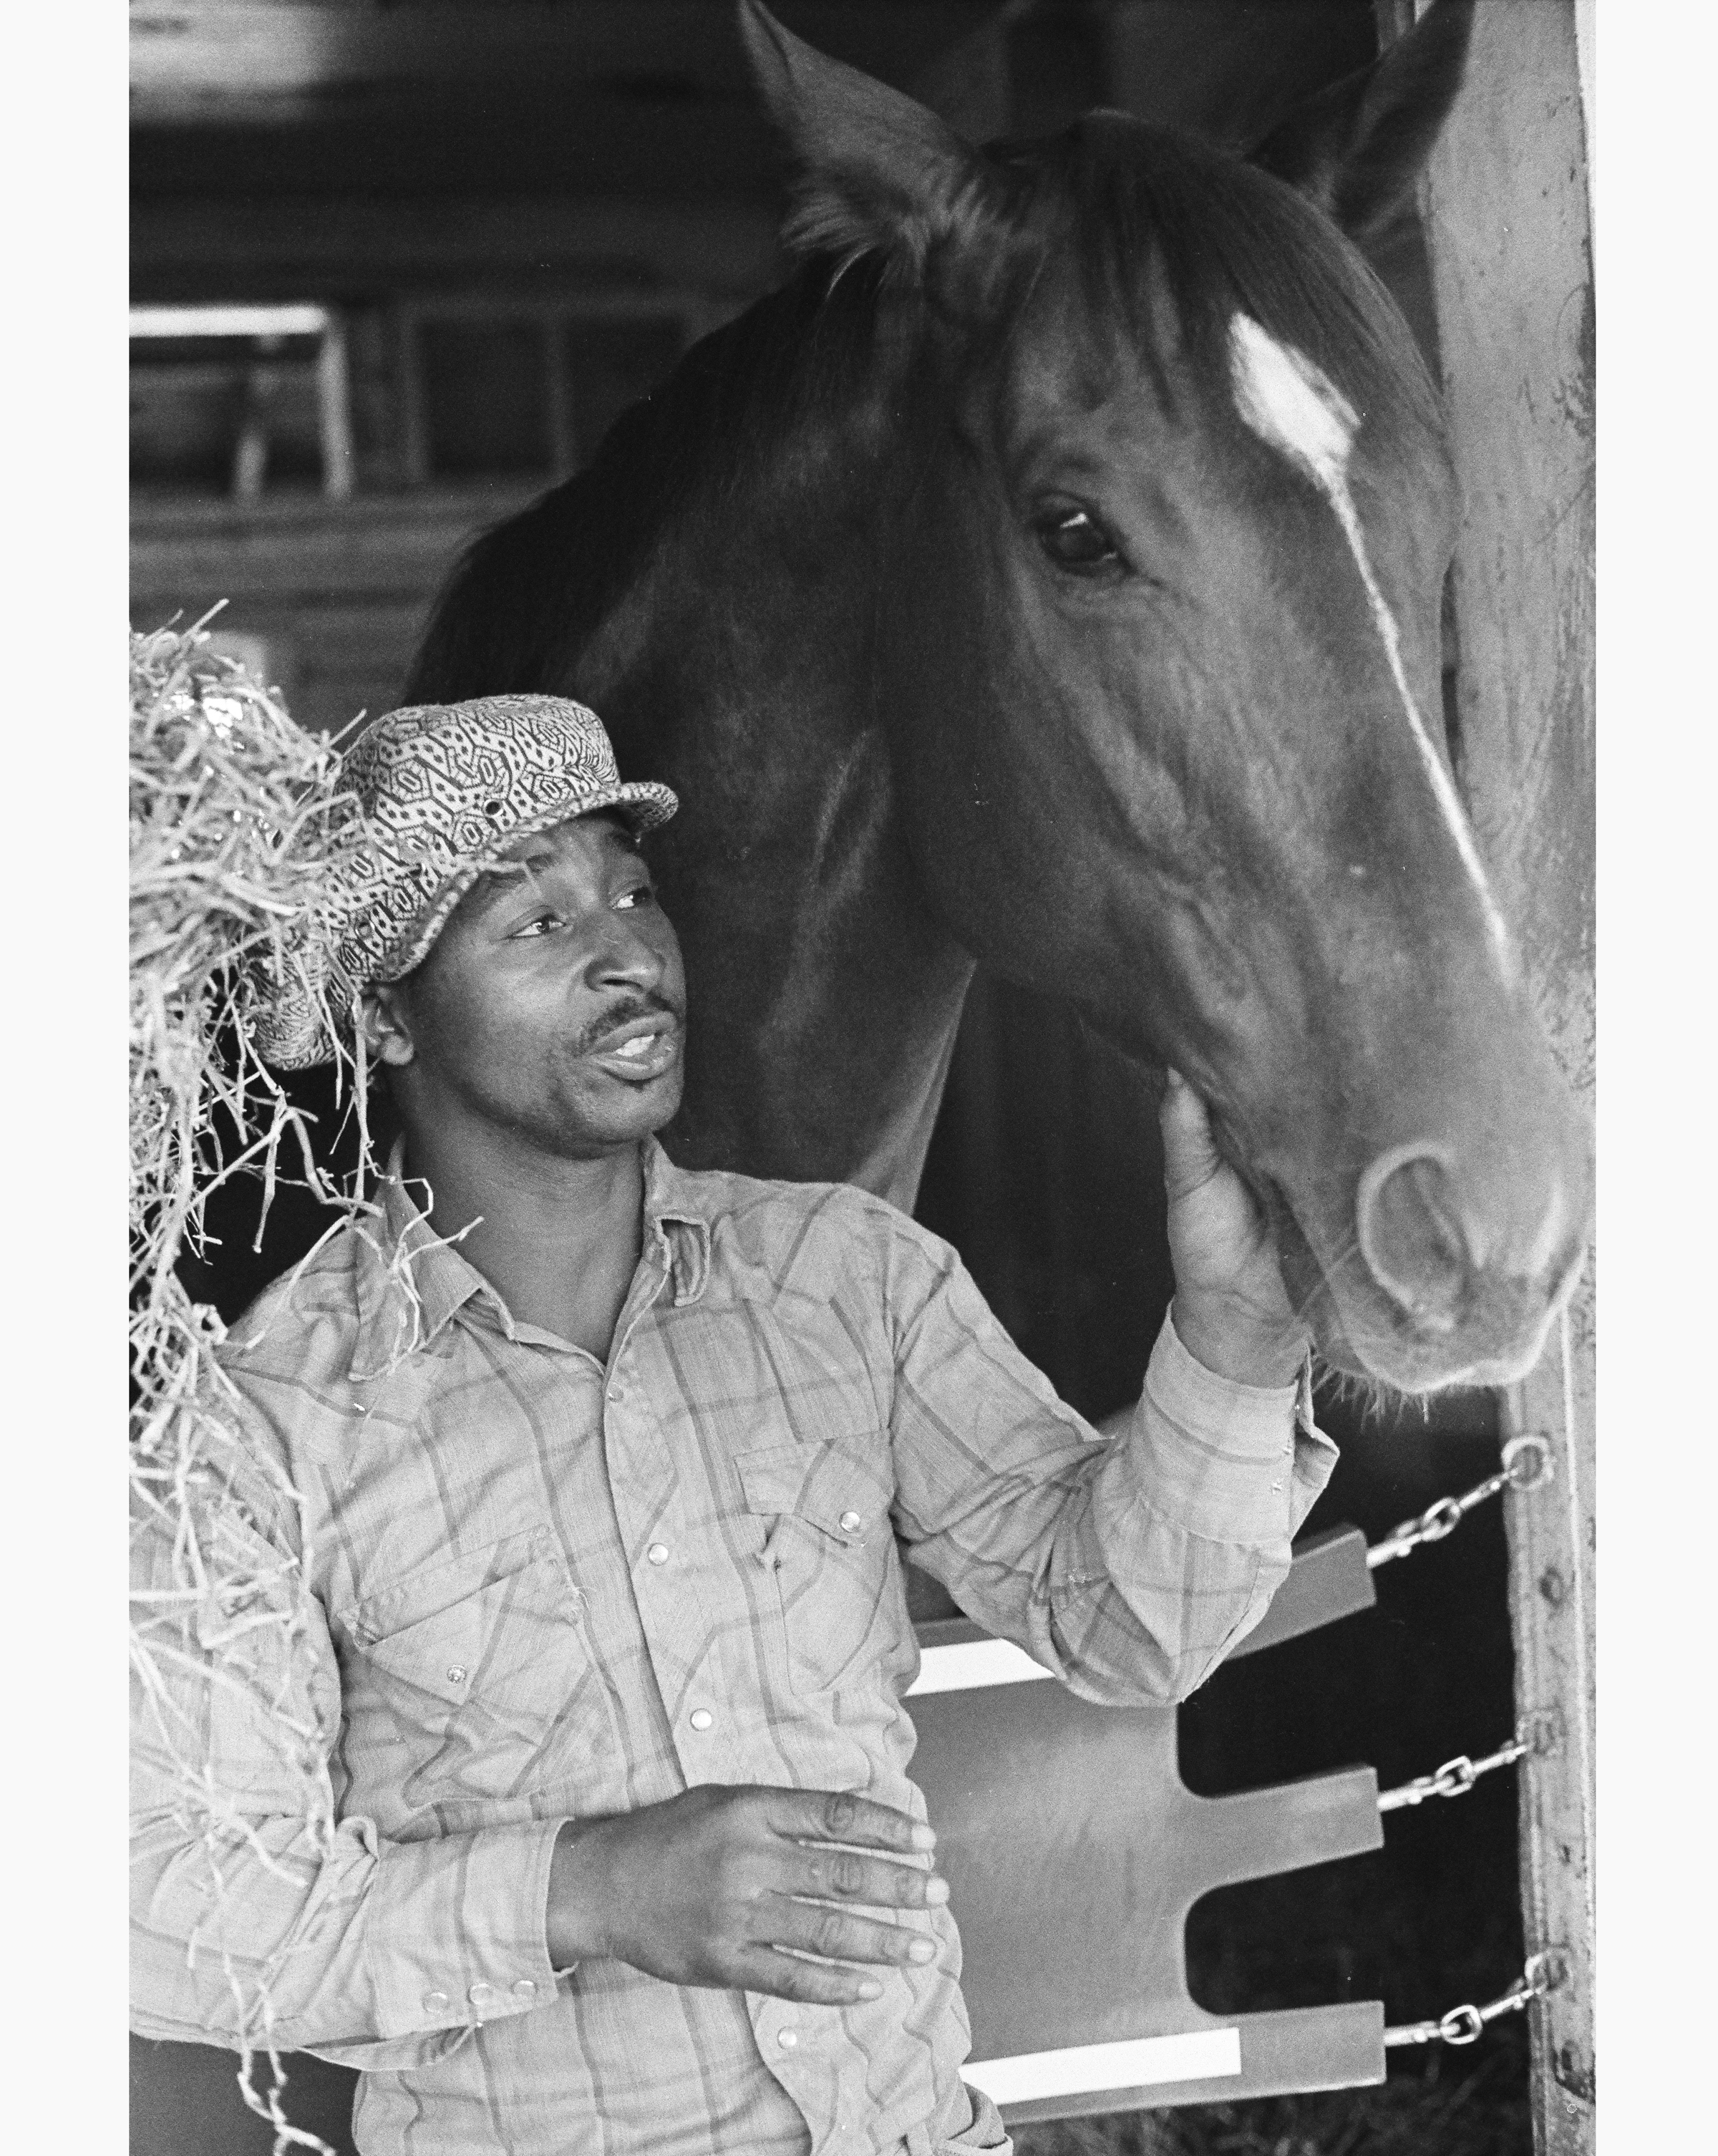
{"x":602,"y":1466}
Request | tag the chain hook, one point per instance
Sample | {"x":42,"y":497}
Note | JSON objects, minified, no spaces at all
{"x":1545,"y":1970}
{"x":1529,"y":1447}
{"x":1527,"y":1464}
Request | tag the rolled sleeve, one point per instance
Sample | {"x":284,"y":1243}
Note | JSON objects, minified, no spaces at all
{"x":1227,"y":1461}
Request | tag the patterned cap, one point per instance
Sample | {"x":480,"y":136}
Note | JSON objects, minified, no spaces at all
{"x":442,"y":791}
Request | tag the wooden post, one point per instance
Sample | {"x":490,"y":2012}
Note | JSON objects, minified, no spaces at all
{"x":1508,"y":227}
{"x":334,"y":405}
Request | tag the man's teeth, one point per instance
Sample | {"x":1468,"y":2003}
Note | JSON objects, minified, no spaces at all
{"x":641,"y":1044}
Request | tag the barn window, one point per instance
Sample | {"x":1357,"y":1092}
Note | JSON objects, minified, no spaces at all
{"x":225,"y":399}
{"x":318,"y":468}
{"x":526,"y":389}
{"x":246,"y":402}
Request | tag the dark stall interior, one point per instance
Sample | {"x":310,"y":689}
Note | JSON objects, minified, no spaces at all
{"x":513,"y":220}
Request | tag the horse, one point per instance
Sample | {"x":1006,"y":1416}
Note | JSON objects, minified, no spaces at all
{"x":1048,"y":576}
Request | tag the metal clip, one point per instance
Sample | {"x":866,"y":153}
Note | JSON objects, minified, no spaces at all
{"x":1461,"y":2024}
{"x":1526,"y":1463}
{"x":1543,"y":1972}
{"x":1440,"y":1519}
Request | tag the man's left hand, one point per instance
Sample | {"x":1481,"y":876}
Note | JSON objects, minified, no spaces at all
{"x":1231,"y":1309}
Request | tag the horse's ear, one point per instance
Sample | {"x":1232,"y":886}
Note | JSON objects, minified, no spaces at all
{"x":1357,"y":149}
{"x":874,"y":170}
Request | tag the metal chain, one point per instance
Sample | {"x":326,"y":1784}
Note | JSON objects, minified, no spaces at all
{"x":1455,"y":1776}
{"x":1527,"y":1461}
{"x":1465,"y":2024}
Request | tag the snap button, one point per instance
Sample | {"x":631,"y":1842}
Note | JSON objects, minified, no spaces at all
{"x":435,"y":2002}
{"x":851,"y":1524}
{"x":482,"y":1994}
{"x":786,"y":2038}
{"x":617,"y":1393}
{"x":525,"y":1989}
{"x":658,"y":1553}
{"x":702,"y":1718}
{"x":456,"y":1675}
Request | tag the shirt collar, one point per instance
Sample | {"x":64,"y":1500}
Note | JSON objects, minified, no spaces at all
{"x":411,"y":1283}
{"x":672,"y":1201}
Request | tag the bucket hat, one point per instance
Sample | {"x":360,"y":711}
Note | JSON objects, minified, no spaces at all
{"x":439,"y":792}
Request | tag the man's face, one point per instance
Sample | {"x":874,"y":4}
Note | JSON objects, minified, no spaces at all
{"x":552,"y":1005}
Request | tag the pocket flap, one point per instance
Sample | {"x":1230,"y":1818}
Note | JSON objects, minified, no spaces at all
{"x":439,"y":1584}
{"x":445,"y":1654}
{"x":440,"y":1630}
{"x":828,"y":1484}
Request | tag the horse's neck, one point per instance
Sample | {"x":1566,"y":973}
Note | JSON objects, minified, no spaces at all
{"x":738,"y":667}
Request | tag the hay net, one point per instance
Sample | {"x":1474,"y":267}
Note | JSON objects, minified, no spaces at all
{"x":237,"y":824}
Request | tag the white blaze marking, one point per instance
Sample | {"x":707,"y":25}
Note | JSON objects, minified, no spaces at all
{"x":1294,"y":406}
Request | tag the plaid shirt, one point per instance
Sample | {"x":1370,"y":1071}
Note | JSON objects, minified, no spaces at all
{"x":544,"y":1589}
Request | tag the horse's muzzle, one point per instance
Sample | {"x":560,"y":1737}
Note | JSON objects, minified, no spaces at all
{"x":1477,"y":1266}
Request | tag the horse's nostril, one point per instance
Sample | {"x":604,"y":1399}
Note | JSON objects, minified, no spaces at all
{"x":1412,"y":1236}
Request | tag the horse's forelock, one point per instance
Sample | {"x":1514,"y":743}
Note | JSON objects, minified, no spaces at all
{"x":1144,"y":212}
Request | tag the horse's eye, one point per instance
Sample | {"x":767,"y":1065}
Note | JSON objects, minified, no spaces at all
{"x":1073,"y":539}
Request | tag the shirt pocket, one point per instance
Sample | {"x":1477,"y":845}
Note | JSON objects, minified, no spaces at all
{"x":829,"y":1545}
{"x":481,"y":1665}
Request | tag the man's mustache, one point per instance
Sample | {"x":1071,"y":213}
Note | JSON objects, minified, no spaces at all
{"x":622,"y":1014}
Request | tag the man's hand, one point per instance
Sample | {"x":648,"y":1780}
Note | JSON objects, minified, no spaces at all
{"x":1231,"y":1309}
{"x":710,"y":1887}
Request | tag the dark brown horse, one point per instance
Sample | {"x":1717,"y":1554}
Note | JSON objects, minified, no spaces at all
{"x":1050,"y":575}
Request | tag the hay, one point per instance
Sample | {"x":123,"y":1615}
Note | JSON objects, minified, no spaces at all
{"x":236,"y":823}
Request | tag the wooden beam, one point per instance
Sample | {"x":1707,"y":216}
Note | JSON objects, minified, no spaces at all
{"x":291,"y":549}
{"x":1508,"y":222}
{"x":291,"y":246}
{"x":225,"y":321}
{"x":194,"y":62}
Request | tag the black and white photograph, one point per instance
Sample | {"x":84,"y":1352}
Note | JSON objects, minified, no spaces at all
{"x":863,"y":799}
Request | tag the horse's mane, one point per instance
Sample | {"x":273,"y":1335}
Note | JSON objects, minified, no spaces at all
{"x":526,"y":595}
{"x":1131,"y":205}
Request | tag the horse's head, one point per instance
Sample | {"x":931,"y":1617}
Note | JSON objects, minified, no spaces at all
{"x":1159,"y":633}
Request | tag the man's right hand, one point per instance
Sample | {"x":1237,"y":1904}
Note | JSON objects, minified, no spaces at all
{"x":712,"y":1886}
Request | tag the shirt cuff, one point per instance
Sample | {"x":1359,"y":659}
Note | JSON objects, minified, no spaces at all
{"x":1216,"y":1456}
{"x":457,"y":1928}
